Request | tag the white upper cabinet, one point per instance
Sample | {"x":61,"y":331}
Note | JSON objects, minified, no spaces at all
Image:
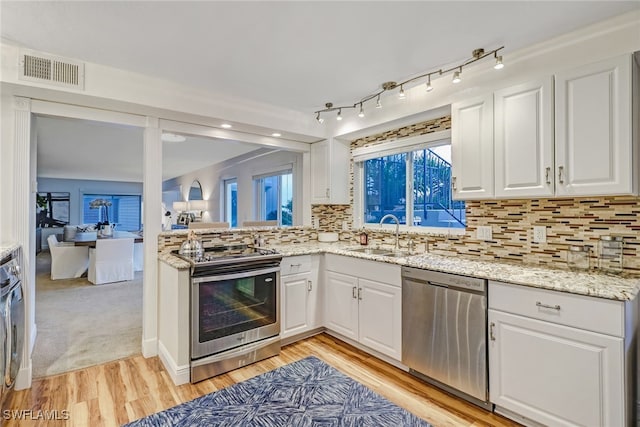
{"x":594,"y":147}
{"x":472,"y":148}
{"x":330,"y":172}
{"x":523,"y":118}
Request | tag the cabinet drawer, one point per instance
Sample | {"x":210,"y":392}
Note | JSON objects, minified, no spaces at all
{"x":579,"y":311}
{"x":295,"y":265}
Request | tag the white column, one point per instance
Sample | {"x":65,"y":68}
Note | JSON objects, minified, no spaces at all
{"x":152,"y":194}
{"x":24,"y":227}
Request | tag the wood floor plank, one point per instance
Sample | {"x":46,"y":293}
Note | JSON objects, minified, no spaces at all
{"x":118,"y":392}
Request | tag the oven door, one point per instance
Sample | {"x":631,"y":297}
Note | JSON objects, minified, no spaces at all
{"x":233,"y":309}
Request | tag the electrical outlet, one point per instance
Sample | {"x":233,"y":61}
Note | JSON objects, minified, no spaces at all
{"x":484,"y":232}
{"x":539,"y":234}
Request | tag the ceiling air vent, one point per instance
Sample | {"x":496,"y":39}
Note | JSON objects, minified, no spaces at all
{"x":42,"y":68}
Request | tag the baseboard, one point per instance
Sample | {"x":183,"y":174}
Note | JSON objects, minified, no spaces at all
{"x":516,"y":417}
{"x":179,"y":374}
{"x":149,"y":347}
{"x":371,"y":351}
{"x":301,"y":336}
{"x":23,"y":380}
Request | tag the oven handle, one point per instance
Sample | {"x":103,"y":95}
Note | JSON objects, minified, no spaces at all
{"x":219,"y":278}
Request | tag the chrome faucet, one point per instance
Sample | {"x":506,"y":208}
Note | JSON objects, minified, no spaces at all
{"x":397,"y":226}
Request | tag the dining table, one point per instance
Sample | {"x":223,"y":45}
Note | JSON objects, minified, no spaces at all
{"x":89,"y":239}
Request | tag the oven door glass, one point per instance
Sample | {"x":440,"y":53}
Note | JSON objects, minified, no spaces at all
{"x":234,"y":305}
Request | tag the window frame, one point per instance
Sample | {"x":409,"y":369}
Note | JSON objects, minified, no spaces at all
{"x":225,"y":201}
{"x":402,"y":145}
{"x":103,"y":194}
{"x":259,"y":214}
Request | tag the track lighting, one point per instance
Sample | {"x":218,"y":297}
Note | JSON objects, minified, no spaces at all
{"x":477,"y":55}
{"x":429,"y":88}
{"x":456,"y":77}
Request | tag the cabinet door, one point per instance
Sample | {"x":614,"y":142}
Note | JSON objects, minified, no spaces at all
{"x":380,"y":317}
{"x":553,"y":374}
{"x":472,"y":148}
{"x":594,"y":154}
{"x":295,"y":303}
{"x":320,"y":180}
{"x":341,"y":309}
{"x":330,"y":172}
{"x":523,"y":117}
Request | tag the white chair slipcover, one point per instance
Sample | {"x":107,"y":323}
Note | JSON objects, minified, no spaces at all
{"x":111,"y":261}
{"x":67,"y":260}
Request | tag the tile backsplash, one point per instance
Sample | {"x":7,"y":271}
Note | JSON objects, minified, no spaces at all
{"x":568,"y":221}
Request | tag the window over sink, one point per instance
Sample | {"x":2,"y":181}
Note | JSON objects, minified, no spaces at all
{"x":410,"y":179}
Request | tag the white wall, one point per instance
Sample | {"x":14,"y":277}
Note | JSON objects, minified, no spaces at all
{"x":243,"y":168}
{"x":78,"y":187}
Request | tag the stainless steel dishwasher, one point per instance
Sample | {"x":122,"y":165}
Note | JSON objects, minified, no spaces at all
{"x":444,"y":332}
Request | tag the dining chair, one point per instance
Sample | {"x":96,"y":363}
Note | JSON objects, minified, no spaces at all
{"x":67,"y":260}
{"x":111,"y":261}
{"x":201,"y":225}
{"x":271,"y":223}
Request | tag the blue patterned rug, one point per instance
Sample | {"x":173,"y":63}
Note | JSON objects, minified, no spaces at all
{"x":306,"y":393}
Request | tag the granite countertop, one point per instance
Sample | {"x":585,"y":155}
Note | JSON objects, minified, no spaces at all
{"x":7,"y":247}
{"x":592,"y":284}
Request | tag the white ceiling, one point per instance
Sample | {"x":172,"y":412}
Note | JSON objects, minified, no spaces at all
{"x":81,"y":149}
{"x":292,"y":54}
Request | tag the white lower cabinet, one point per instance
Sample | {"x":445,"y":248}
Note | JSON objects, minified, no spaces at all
{"x":299,"y":296}
{"x":365,"y":310}
{"x":551,"y":373}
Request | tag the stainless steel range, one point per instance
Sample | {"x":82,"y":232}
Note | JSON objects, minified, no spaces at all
{"x":235,"y":308}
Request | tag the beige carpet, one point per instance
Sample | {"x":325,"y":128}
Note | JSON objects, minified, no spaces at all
{"x":81,"y":324}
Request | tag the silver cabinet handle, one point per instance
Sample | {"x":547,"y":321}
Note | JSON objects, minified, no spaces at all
{"x":353,"y":292}
{"x":453,"y":183}
{"x":295,"y":265}
{"x":547,"y":172}
{"x":561,"y":174}
{"x":491,"y":335}
{"x":552,"y":307}
{"x":360,"y":294}
{"x":309,"y":285}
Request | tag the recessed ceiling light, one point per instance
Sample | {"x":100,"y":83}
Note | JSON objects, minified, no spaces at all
{"x":276,"y":134}
{"x":172,"y":137}
{"x":226,"y":126}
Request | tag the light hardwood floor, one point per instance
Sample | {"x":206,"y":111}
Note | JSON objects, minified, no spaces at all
{"x":118,"y":392}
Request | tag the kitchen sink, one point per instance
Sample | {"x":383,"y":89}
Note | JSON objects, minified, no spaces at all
{"x":371,"y":251}
{"x":396,"y":254}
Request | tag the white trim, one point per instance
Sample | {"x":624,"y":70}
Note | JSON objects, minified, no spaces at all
{"x":271,"y":171}
{"x":150,"y":347}
{"x":395,"y":146}
{"x":232,"y":135}
{"x":179,"y":374}
{"x":56,"y":109}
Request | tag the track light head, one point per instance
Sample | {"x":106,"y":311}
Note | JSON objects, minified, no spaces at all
{"x":401,"y":94}
{"x":361,"y":113}
{"x":456,"y":76}
{"x":499,"y":65}
{"x":429,"y":88}
{"x":339,"y":116}
{"x":319,"y":119}
{"x":378,"y":104}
